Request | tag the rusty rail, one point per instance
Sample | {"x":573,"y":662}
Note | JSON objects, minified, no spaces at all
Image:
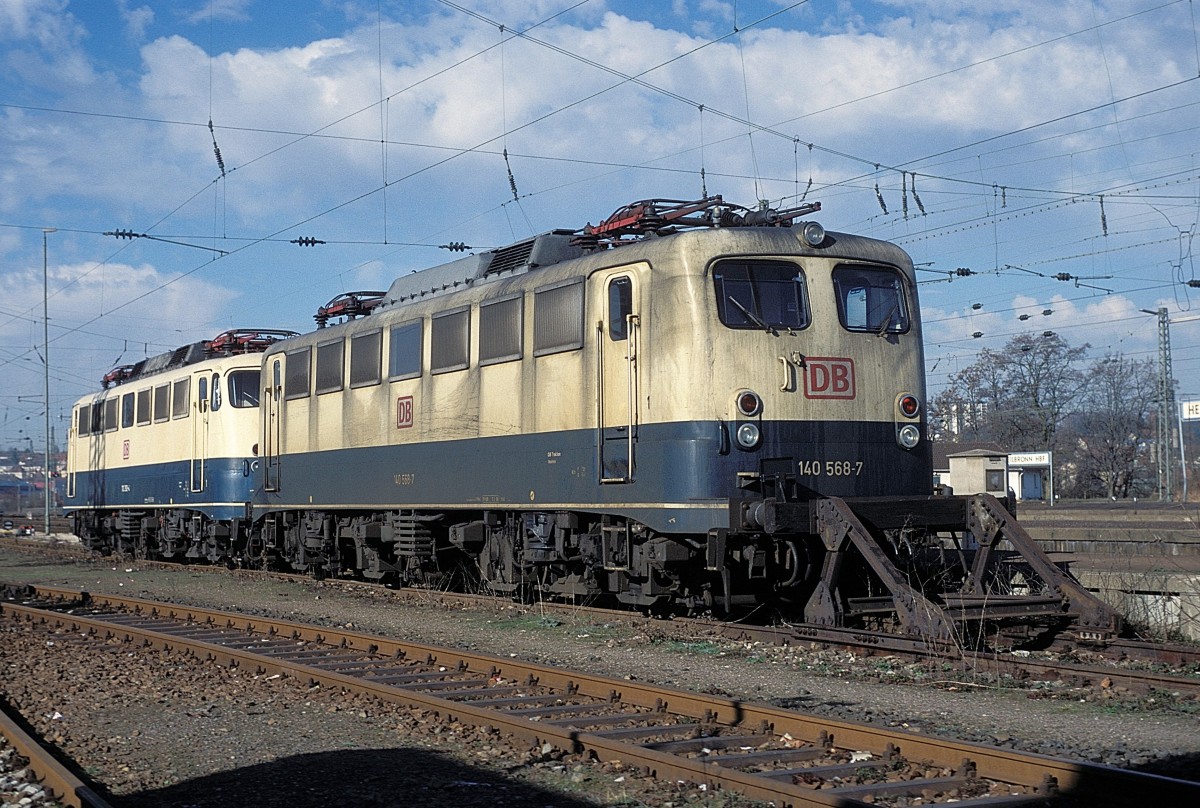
{"x":861,"y":641}
{"x":57,"y":780}
{"x":722,"y":743}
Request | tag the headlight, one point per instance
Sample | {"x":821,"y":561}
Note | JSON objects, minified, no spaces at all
{"x":748,"y":436}
{"x":813,"y":234}
{"x":908,"y":436}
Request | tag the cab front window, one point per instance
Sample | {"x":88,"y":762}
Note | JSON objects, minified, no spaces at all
{"x":870,"y":299}
{"x":243,"y":387}
{"x":763,"y":295}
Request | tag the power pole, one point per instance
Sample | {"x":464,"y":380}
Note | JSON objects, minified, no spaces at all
{"x":1166,"y":408}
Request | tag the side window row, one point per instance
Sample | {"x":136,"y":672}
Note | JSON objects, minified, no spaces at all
{"x":499,"y":327}
{"x":166,"y":402}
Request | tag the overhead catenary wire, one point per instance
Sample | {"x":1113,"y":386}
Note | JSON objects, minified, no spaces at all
{"x":810,"y":146}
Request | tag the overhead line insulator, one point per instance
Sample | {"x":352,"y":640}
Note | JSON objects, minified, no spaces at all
{"x":307,"y":241}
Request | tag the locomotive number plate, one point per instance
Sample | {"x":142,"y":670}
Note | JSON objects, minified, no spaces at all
{"x":829,"y":468}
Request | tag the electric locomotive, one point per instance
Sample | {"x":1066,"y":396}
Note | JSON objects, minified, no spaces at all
{"x":692,"y":406}
{"x":577,"y":416}
{"x":160,"y":463}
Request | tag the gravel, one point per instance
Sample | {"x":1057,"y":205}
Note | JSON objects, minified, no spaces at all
{"x":158,"y":732}
{"x":16,"y":786}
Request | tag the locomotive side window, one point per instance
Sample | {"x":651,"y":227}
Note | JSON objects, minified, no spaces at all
{"x":181,"y":398}
{"x":202,"y":393}
{"x":330,"y":360}
{"x":870,"y":299}
{"x":449,"y":341}
{"x":558,"y":319}
{"x":295,"y":380}
{"x":143,"y":406}
{"x":365,"y":353}
{"x":761,"y":295}
{"x":216,"y":392}
{"x":97,"y":417}
{"x":83,"y":422}
{"x":404,"y":351}
{"x":162,"y":403}
{"x":620,"y":306}
{"x":243,"y":387}
{"x":110,"y":414}
{"x":127,"y":411}
{"x":500,"y":328}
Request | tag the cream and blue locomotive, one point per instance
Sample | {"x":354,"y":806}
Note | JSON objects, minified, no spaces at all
{"x":691,"y":406}
{"x":160,"y":463}
{"x":576,"y":414}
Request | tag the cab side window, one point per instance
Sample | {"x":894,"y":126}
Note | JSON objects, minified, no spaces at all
{"x":127,"y":410}
{"x":620,"y":306}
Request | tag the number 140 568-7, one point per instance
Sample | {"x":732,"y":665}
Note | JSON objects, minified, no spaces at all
{"x":830,"y":468}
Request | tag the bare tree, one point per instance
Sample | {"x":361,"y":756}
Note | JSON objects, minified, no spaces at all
{"x":1018,"y":396}
{"x":1113,"y":425}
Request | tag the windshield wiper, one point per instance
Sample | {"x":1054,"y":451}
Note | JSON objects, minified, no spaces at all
{"x":887,"y":319}
{"x":751,"y":316}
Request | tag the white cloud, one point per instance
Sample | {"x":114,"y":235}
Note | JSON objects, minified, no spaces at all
{"x":84,"y":342}
{"x":223,"y":10}
{"x":136,"y":20}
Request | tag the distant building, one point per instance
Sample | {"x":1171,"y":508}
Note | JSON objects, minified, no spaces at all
{"x":977,"y":471}
{"x":985,"y":468}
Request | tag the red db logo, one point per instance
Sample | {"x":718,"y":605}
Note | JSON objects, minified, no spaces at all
{"x":404,"y":412}
{"x":828,"y":377}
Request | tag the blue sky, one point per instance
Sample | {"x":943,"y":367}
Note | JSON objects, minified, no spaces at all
{"x":1021,"y":140}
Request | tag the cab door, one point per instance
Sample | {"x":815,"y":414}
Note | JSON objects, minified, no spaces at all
{"x":270,"y":403}
{"x":200,"y":428}
{"x":618,"y":328}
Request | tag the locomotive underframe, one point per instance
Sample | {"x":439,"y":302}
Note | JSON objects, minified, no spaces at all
{"x":942,"y":567}
{"x":945,"y":568}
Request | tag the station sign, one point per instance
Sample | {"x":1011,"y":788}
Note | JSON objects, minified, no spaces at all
{"x":1029,"y":459}
{"x":1191,"y":410}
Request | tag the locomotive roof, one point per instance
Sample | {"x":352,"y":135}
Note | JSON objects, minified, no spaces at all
{"x":557,"y":246}
{"x":635,"y":226}
{"x":227,"y":343}
{"x":542,"y":250}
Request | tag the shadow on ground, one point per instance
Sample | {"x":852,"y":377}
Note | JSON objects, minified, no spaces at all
{"x":367,"y":778}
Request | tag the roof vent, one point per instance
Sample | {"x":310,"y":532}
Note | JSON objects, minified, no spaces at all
{"x":511,"y":257}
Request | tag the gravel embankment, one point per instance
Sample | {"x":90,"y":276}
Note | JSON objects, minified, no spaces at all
{"x":161,"y":733}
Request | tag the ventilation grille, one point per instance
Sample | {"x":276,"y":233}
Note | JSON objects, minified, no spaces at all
{"x":512,"y":257}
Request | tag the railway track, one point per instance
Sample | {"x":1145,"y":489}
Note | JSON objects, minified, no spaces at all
{"x":1138,"y":667}
{"x":782,"y":756}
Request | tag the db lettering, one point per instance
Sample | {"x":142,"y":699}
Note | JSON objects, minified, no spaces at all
{"x":829,"y":377}
{"x":404,"y":412}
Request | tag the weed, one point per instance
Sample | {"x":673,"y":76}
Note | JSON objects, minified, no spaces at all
{"x":703,"y":647}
